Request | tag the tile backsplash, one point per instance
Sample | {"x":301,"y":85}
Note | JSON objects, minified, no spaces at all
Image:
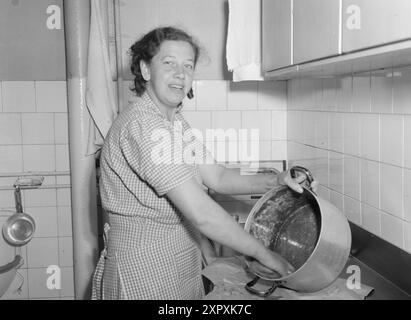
{"x":220,"y":104}
{"x":354,"y":133}
{"x":34,"y":138}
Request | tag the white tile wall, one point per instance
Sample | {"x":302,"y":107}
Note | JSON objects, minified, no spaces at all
{"x":51,"y":96}
{"x":279,"y":125}
{"x":336,"y":199}
{"x":381,"y":94}
{"x":38,"y":128}
{"x":211,"y":95}
{"x":242,"y":95}
{"x":321,"y":130}
{"x":40,"y":197}
{"x":352,"y":177}
{"x":18,"y":96}
{"x":336,"y":132}
{"x":65,"y":251}
{"x":45,"y":219}
{"x":392,"y":139}
{"x":11,"y":159}
{"x":42,"y":252}
{"x":344,"y":93}
{"x":61,"y":128}
{"x":352,"y":134}
{"x":407,"y":236}
{"x":336,"y":171}
{"x":391,"y":189}
{"x":64,"y":197}
{"x":34,"y":137}
{"x":370,"y":133}
{"x":370,"y":182}
{"x":64,"y":221}
{"x":371,"y":219}
{"x":401,"y":91}
{"x":407,"y":195}
{"x":329,"y":101}
{"x":258,"y":120}
{"x":200,"y":120}
{"x":1,"y":97}
{"x":37,"y":284}
{"x":361,"y":94}
{"x":407,"y":142}
{"x":352,"y":210}
{"x":39,"y":158}
{"x":392,"y":229}
{"x":67,"y":282}
{"x":272,"y":95}
{"x":369,"y":146}
{"x":10,"y":128}
{"x":62,"y":157}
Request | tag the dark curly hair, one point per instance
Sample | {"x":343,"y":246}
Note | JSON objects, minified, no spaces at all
{"x":147,"y":47}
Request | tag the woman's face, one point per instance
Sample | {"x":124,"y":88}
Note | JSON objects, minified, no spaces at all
{"x":170,"y":72}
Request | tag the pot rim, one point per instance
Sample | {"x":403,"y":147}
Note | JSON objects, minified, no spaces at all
{"x":254,"y":210}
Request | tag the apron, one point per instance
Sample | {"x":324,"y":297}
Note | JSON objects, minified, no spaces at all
{"x":165,"y":265}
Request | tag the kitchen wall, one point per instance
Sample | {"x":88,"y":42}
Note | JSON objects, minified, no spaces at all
{"x":34,"y":138}
{"x":221,"y":104}
{"x":354,"y":133}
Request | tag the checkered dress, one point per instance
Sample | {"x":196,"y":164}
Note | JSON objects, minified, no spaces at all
{"x":151,"y":250}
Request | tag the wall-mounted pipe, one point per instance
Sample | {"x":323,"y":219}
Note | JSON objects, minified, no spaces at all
{"x":82,"y":167}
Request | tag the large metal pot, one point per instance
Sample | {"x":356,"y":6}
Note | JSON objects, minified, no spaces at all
{"x":309,"y":232}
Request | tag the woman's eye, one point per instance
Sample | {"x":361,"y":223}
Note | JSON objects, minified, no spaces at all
{"x":189,"y":66}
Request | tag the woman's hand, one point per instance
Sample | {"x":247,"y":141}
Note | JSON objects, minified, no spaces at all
{"x":271,"y":264}
{"x":284,"y":178}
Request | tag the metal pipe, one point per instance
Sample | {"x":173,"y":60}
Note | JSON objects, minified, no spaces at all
{"x":82,"y":167}
{"x":47,"y":186}
{"x":34,"y":173}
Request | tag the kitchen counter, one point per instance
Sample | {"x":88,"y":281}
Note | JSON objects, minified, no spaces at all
{"x":383,"y":288}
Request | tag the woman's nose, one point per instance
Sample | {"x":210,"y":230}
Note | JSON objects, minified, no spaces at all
{"x":179,"y":72}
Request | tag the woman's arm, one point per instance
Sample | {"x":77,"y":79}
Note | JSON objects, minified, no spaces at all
{"x":230,"y":181}
{"x":215,"y":223}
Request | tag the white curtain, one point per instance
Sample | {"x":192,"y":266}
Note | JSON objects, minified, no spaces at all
{"x":100,"y":93}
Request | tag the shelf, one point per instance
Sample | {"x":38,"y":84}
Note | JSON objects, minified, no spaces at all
{"x":382,"y":58}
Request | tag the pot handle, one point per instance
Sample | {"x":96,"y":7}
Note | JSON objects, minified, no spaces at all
{"x":263,"y":294}
{"x":307,"y":173}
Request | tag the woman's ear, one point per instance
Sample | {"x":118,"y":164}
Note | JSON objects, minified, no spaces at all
{"x":145,"y":70}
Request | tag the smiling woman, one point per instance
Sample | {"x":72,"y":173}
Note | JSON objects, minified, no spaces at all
{"x":158,"y":210}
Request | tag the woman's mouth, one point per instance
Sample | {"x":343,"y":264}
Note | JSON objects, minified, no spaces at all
{"x":176,"y":86}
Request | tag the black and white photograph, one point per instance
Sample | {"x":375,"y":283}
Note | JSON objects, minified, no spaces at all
{"x":211,"y":157}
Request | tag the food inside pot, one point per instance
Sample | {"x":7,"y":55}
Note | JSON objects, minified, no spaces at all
{"x":289,"y":224}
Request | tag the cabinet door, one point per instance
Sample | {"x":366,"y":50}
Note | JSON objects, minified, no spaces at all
{"x":316,"y":29}
{"x":205,"y":20}
{"x":32,"y":40}
{"x":369,"y":23}
{"x":276,"y":34}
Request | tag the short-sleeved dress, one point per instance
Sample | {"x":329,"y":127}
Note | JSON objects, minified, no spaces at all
{"x":152,"y":251}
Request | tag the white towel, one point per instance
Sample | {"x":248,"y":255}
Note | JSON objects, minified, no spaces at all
{"x":243,"y":49}
{"x":100,"y":94}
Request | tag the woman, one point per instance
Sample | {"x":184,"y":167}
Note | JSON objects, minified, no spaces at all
{"x":158,"y":209}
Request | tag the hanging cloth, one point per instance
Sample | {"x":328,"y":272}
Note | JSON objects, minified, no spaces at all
{"x":243,"y":48}
{"x":100,"y":92}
